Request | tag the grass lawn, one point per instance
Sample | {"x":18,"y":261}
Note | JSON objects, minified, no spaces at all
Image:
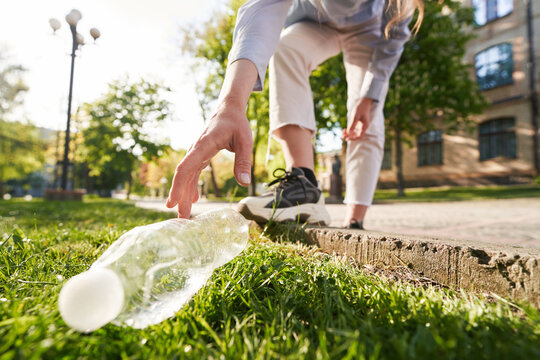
{"x":455,"y":193}
{"x":277,"y":300}
{"x":459,"y":193}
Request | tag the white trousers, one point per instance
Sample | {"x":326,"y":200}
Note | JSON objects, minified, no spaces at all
{"x":302,"y":47}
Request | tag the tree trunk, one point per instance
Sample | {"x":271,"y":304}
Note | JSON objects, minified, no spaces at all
{"x":215,"y":187}
{"x":399,"y":161}
{"x":89,"y":180}
{"x":1,"y":190}
{"x":343,"y":159}
{"x":217,"y":191}
{"x":253,"y":186}
{"x":103,"y":187}
{"x":130,"y":184}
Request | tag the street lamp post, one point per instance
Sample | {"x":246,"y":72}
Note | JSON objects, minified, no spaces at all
{"x":163,"y":181}
{"x":77,"y":40}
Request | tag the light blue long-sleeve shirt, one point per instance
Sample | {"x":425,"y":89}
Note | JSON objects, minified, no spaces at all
{"x":259,"y":24}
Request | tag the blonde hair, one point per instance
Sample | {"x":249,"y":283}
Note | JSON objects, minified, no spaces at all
{"x":401,"y":10}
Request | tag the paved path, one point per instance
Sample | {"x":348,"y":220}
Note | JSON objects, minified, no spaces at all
{"x":514,"y":222}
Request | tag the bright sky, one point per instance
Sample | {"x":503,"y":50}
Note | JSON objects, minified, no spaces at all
{"x":139,"y":38}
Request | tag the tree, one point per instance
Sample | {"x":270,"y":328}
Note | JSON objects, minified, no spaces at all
{"x":22,"y":151}
{"x":117,"y":135}
{"x":203,"y":100}
{"x":329,"y":88}
{"x":432,"y":85}
{"x":20,"y":146}
{"x":155,"y":175}
{"x":12,"y":86}
{"x":211,"y":45}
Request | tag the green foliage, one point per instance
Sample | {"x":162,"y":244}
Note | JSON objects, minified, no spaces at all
{"x":276,"y":300}
{"x":210,"y":45}
{"x":432,"y":86}
{"x":329,"y":88}
{"x":21,"y":149}
{"x":117,"y":132}
{"x":12,"y":86}
{"x":462,"y":193}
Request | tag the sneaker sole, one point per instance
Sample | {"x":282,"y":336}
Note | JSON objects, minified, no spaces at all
{"x":310,"y":213}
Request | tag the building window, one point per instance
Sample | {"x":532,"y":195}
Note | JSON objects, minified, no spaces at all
{"x":494,"y":66}
{"x":430,"y":148}
{"x":497,"y":138}
{"x":387,"y":157}
{"x":489,"y":10}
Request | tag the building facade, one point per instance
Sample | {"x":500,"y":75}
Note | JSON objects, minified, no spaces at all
{"x":503,"y":148}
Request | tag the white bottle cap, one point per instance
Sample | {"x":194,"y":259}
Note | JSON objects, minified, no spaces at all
{"x":91,"y":299}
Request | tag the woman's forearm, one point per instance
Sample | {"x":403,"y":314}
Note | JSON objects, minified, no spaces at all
{"x":239,"y":80}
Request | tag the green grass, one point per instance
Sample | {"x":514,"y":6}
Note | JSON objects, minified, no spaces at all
{"x":276,"y":300}
{"x":456,"y":193}
{"x":460,"y":193}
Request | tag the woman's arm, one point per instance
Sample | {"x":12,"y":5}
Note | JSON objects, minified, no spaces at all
{"x":256,"y":35}
{"x":385,"y":57}
{"x":382,"y":64}
{"x":227,"y":129}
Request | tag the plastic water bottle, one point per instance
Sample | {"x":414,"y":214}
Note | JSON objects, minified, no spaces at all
{"x":151,"y":271}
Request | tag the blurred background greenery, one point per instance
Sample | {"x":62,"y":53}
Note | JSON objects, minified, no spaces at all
{"x":115,"y":147}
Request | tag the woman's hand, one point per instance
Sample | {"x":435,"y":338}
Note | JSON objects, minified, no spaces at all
{"x":360,"y":122}
{"x":227,"y":129}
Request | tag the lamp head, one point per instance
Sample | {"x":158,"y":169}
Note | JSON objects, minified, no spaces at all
{"x":80,"y":39}
{"x":55,"y":24}
{"x":73,"y":17}
{"x":95,"y":33}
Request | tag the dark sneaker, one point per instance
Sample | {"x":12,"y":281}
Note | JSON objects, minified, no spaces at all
{"x":358,"y":225}
{"x":294,"y":198}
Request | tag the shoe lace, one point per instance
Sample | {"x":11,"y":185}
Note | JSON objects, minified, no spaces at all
{"x":285,"y":179}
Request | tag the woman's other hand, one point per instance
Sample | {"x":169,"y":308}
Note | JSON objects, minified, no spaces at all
{"x":361,"y":118}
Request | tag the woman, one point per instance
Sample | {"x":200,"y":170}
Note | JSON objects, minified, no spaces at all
{"x":369,"y":33}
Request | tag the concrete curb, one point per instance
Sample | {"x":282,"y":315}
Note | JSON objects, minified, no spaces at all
{"x":511,"y":273}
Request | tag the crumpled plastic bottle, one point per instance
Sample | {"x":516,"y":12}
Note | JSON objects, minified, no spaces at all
{"x":147,"y":275}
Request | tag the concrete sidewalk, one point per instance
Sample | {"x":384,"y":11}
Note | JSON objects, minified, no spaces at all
{"x":514,"y":222}
{"x":490,"y":246}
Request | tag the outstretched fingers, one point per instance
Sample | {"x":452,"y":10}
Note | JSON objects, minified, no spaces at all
{"x":242,"y":159}
{"x":184,"y":205}
{"x":356,"y":129}
{"x":184,"y":185}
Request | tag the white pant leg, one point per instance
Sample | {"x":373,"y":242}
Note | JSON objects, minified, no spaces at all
{"x":364,"y":156}
{"x":302,"y":47}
